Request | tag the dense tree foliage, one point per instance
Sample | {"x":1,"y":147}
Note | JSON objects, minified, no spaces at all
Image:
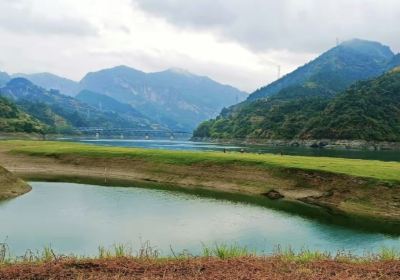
{"x":13,"y":120}
{"x":369,"y":110}
{"x":308,"y":102}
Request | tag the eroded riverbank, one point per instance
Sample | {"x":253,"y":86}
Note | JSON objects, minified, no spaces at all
{"x":11,"y":186}
{"x":339,"y":186}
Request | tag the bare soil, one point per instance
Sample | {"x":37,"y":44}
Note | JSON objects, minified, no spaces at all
{"x":203,"y":268}
{"x":10,"y":185}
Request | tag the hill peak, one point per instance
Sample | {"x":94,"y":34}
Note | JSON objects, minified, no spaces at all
{"x":180,"y":71}
{"x":337,"y":68}
{"x":368,"y":47}
{"x":19,"y":82}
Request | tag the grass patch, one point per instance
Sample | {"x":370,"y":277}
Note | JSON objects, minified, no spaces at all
{"x":385,"y":171}
{"x":224,"y":251}
{"x":220,"y":251}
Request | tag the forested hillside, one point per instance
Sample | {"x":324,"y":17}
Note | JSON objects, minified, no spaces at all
{"x":309,"y":105}
{"x":14,"y":120}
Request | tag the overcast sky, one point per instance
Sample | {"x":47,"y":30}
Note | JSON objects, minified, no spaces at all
{"x":238,"y":42}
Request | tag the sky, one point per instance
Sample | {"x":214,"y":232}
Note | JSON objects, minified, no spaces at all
{"x":236,"y":42}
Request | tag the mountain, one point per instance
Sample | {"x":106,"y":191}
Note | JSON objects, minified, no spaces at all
{"x":369,"y":110}
{"x":300,"y":109}
{"x":4,"y":78}
{"x":174,"y":98}
{"x":395,"y":62}
{"x":337,"y":68}
{"x":108,"y":104}
{"x":50,"y":81}
{"x":13,"y":119}
{"x":277,"y":118}
{"x":59,"y":111}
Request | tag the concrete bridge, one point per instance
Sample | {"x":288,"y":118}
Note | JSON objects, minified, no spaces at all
{"x":133,"y":132}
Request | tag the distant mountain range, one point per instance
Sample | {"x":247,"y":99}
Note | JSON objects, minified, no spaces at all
{"x":174,"y":99}
{"x":51,"y":81}
{"x":312,"y":102}
{"x":61,"y":113}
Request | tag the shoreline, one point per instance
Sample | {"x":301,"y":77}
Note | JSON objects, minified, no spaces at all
{"x":331,"y":144}
{"x":322,"y":195}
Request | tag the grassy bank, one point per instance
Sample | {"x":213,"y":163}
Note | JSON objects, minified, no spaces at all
{"x":387,"y":171}
{"x":361,"y":189}
{"x":217,"y":262}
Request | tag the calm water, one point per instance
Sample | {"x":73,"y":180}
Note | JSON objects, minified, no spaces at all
{"x":201,"y":146}
{"x":78,"y":218}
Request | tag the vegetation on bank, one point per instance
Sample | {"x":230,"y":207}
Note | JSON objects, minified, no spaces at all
{"x":384,"y":171}
{"x":221,"y":251}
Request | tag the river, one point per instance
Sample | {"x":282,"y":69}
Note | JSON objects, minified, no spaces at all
{"x":383,"y":155}
{"x":77,"y":218}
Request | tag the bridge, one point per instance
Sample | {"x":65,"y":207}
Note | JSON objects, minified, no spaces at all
{"x":133,"y":132}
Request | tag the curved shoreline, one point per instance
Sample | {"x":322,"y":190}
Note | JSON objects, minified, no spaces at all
{"x":326,"y":196}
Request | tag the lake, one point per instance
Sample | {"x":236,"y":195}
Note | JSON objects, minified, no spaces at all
{"x":76,"y":218}
{"x":203,"y":146}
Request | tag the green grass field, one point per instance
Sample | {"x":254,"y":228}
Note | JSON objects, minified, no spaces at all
{"x":386,"y":171}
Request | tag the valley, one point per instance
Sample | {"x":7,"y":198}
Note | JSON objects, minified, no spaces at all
{"x":314,"y":153}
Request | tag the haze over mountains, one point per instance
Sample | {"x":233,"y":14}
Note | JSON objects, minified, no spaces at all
{"x":120,"y":97}
{"x":311,"y":102}
{"x":175,"y":97}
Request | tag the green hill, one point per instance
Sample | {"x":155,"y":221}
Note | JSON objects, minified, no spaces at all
{"x":13,"y":119}
{"x":369,"y":110}
{"x":307,"y":103}
{"x":337,"y":68}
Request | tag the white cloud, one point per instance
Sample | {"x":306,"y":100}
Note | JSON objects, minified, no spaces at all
{"x":296,"y":25}
{"x":235,"y":42}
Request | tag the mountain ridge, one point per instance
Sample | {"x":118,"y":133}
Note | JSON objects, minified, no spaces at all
{"x":173,"y":98}
{"x":60,"y":112}
{"x":365,"y":59}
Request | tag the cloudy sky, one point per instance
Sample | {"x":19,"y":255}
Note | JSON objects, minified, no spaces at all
{"x":238,"y":42}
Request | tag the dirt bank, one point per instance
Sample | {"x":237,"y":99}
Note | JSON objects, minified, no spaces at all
{"x":10,"y":185}
{"x":339,"y":193}
{"x":203,"y":268}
